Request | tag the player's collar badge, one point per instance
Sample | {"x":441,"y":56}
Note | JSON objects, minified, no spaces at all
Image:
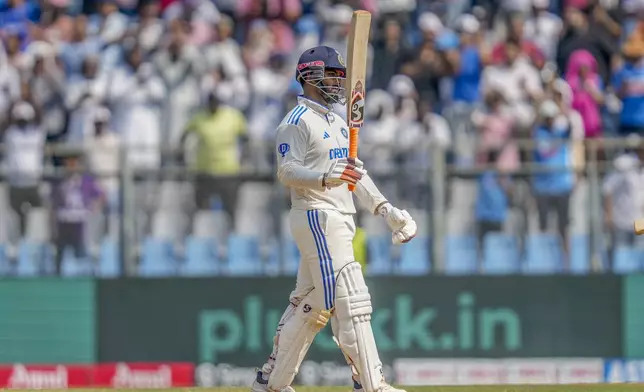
{"x":345,"y":133}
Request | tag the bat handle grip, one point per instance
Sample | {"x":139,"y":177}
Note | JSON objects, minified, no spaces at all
{"x":353,"y":148}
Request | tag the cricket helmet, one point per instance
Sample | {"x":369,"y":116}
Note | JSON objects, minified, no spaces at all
{"x":312,"y":67}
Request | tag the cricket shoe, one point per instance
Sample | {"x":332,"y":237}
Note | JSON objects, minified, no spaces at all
{"x":357,"y":387}
{"x":261,"y":384}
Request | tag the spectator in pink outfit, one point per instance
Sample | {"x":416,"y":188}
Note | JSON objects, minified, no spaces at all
{"x":586,"y":85}
{"x":496,"y":126}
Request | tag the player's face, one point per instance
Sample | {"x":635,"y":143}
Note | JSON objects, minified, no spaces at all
{"x":334,"y":81}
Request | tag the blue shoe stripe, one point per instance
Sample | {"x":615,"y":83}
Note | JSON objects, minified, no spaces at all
{"x":331,"y":274}
{"x":309,"y":215}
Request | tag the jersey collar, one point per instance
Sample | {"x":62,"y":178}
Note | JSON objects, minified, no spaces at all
{"x":321,"y":109}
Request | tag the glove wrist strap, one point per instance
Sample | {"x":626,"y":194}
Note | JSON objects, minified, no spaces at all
{"x":383,"y":209}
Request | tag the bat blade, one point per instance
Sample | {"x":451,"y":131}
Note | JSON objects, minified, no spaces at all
{"x":356,"y":75}
{"x":639,"y":227}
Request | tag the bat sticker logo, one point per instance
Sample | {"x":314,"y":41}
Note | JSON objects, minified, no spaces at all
{"x":357,"y":105}
{"x":283,"y":149}
{"x":344,"y":133}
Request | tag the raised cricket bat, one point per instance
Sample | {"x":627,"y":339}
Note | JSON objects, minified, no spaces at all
{"x":356,"y":75}
{"x":639,"y":226}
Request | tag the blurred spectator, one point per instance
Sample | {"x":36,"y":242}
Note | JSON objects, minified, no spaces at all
{"x":135,"y":93}
{"x":47,"y":82}
{"x":388,"y":51}
{"x":24,"y":144}
{"x":492,"y":201}
{"x":15,"y":55}
{"x":259,"y":46}
{"x":628,"y":83}
{"x":9,"y":85}
{"x":181,"y":68}
{"x":496,"y":133}
{"x":552,"y":190}
{"x":199,"y":15}
{"x":233,"y":90}
{"x":518,"y":81}
{"x":545,"y":28}
{"x":220,"y":132}
{"x":515,"y":35}
{"x":81,"y":47}
{"x":73,"y":199}
{"x":110,"y":26}
{"x":466,"y":62}
{"x":149,"y":29}
{"x":425,"y":66}
{"x":578,"y":35}
{"x":586,"y":86}
{"x":85,"y":92}
{"x":623,"y":190}
{"x":376,"y":145}
{"x":562,"y":96}
{"x":224,"y":52}
{"x":338,"y":23}
{"x":103,"y":158}
{"x":18,"y":13}
{"x":270,"y":87}
{"x":417,"y":139}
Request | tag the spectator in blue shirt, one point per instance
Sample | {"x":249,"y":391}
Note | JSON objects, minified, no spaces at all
{"x":17,"y":13}
{"x":629,"y":85}
{"x":552,"y":190}
{"x":491,"y":208}
{"x":74,"y":53}
{"x":465,"y":61}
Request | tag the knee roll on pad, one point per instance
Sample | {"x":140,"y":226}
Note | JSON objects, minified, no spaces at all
{"x":355,"y":336}
{"x":294,"y":341}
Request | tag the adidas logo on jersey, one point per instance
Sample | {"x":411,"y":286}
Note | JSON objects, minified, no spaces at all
{"x":326,"y":135}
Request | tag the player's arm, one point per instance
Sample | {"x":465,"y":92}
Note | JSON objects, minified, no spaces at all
{"x":400,"y":223}
{"x":292,"y":147}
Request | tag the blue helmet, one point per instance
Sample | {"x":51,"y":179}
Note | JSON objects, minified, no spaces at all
{"x":312,"y":67}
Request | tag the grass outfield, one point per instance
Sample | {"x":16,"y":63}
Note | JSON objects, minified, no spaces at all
{"x":500,"y":388}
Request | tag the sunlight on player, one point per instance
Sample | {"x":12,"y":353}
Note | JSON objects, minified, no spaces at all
{"x":312,"y":156}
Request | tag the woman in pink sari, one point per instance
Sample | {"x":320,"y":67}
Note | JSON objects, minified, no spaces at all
{"x":586,"y":86}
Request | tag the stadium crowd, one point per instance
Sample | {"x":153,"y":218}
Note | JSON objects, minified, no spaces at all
{"x":204,"y":83}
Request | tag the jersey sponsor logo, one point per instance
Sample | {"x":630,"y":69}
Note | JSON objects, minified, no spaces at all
{"x":338,"y":153}
{"x":326,"y":135}
{"x":283,"y":149}
{"x":345,"y":133}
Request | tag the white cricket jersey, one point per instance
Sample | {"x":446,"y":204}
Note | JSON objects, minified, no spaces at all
{"x":312,"y":137}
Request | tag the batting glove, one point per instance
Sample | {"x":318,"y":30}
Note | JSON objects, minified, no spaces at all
{"x":343,"y":171}
{"x":402,"y":225}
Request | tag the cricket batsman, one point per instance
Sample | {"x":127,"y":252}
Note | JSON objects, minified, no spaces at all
{"x":313,"y":161}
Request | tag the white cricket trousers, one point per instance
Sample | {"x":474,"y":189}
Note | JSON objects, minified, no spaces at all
{"x":325,"y":241}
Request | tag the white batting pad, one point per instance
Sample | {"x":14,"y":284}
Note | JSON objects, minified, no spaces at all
{"x":288,"y":313}
{"x":353,"y":311}
{"x":294,"y":341}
